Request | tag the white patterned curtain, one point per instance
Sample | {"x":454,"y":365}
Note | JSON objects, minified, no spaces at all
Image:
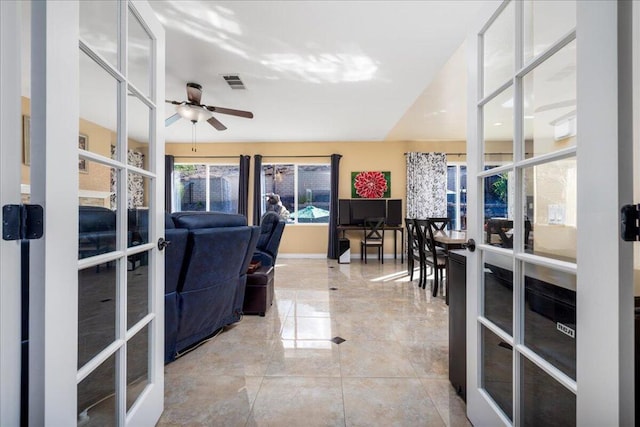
{"x":426,"y":185}
{"x":135,"y":182}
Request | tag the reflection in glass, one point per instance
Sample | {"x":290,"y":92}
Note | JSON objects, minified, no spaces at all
{"x":498,"y":129}
{"x":96,"y":220}
{"x":137,"y":365}
{"x":545,"y":23}
{"x":138,"y":132}
{"x":498,"y":290}
{"x":549,"y":93}
{"x":498,"y":48}
{"x":137,"y":287}
{"x":98,"y":107}
{"x":191,"y":187}
{"x":223,"y":188}
{"x":97,"y":396}
{"x":497,"y":370}
{"x":99,"y":28}
{"x":551,"y":203}
{"x":139,"y":56}
{"x":550,"y":316}
{"x":545,"y":401}
{"x":96,"y":310}
{"x":497,"y":194}
{"x":138,"y":210}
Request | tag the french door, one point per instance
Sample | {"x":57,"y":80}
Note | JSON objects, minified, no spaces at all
{"x":550,"y":308}
{"x":96,"y":165}
{"x":10,"y":121}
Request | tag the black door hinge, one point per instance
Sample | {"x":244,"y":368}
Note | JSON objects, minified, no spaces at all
{"x":22,"y":222}
{"x":629,"y":226}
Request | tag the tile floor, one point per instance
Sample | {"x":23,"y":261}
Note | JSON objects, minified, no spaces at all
{"x":284,"y":370}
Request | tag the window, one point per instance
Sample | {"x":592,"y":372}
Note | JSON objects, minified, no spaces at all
{"x":457,"y":195}
{"x":302,"y":191}
{"x":206,"y":187}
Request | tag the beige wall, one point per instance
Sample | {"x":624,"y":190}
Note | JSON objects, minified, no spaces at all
{"x":356,"y":156}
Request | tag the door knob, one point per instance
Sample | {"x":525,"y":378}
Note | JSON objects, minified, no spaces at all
{"x":163,"y":243}
{"x":470,"y":245}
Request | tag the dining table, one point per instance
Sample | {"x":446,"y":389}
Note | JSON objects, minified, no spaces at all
{"x":450,"y":239}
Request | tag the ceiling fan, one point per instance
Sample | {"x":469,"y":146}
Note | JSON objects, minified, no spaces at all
{"x":194,"y":111}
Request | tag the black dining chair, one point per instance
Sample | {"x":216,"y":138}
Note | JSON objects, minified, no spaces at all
{"x":413,"y":249}
{"x":440,"y":224}
{"x":430,"y":256}
{"x":373,"y":237}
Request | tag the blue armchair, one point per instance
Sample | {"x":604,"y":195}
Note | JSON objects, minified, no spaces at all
{"x":271,"y":229}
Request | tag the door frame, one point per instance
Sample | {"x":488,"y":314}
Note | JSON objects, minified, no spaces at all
{"x":605,"y":392}
{"x":10,"y":161}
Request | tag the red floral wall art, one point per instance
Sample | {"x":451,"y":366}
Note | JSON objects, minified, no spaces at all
{"x":370,"y":185}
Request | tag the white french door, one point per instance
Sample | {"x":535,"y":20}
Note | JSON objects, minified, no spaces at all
{"x":97,"y":276}
{"x":550,"y":302}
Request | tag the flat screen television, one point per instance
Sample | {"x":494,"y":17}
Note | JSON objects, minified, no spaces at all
{"x":367,"y":208}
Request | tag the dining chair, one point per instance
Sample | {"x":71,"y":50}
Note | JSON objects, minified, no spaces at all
{"x":373,"y":237}
{"x":430,"y":256}
{"x":440,"y":224}
{"x":413,"y":249}
{"x":503,"y":228}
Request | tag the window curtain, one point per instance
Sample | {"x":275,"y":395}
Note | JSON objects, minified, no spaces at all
{"x":426,"y":185}
{"x":257,"y":192}
{"x":169,"y":162}
{"x":243,"y":186}
{"x":333,"y":252}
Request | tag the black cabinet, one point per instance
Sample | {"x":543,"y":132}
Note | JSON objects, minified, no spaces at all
{"x":457,"y":283}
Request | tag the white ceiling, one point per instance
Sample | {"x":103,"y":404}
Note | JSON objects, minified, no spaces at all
{"x":320,"y":70}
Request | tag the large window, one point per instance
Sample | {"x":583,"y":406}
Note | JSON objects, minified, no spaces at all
{"x":496,"y":195}
{"x":457,"y":195}
{"x":199,"y":187}
{"x":300,"y":193}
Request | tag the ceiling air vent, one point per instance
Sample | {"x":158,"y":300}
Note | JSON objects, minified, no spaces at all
{"x":234,"y":82}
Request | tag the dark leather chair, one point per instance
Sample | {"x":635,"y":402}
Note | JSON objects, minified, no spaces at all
{"x":211,"y":279}
{"x":373,"y":237}
{"x":271,"y":229}
{"x":96,"y":231}
{"x":174,"y":260}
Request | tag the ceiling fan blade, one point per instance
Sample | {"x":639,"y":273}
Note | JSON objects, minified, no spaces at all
{"x":194,"y":93}
{"x":216,"y":123}
{"x":171,"y":120}
{"x":230,"y":111}
{"x":172,"y":102}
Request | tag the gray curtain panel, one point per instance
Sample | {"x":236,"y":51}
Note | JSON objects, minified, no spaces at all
{"x":243,"y":186}
{"x":333,"y":251}
{"x":426,"y":185}
{"x":257,"y":192}
{"x":169,"y":162}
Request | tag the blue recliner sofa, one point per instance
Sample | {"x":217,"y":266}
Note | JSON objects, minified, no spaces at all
{"x":205,"y":283}
{"x":271,"y":229}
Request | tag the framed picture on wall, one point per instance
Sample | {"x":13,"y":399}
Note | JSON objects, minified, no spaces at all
{"x":83,"y":144}
{"x":26,"y":140}
{"x":371,"y":185}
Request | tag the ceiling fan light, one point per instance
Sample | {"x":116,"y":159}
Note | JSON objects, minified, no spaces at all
{"x":193,"y":113}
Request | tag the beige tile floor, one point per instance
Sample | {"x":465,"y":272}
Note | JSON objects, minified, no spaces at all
{"x":283,"y":370}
